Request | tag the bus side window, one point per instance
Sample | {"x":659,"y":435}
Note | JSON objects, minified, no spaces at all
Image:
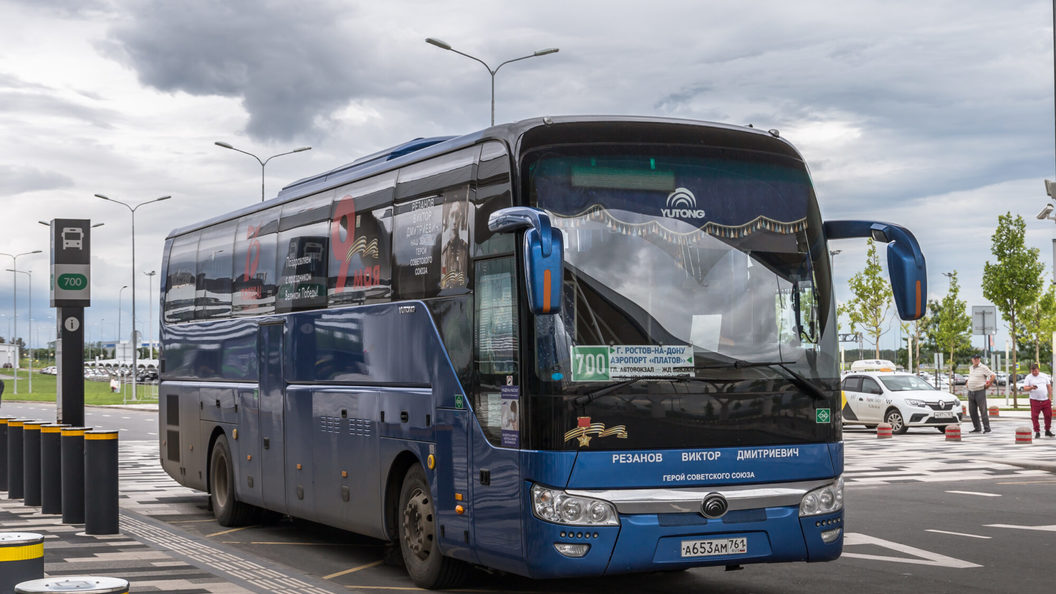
{"x":361,"y":242}
{"x":496,"y":340}
{"x":302,"y":253}
{"x":180,"y":282}
{"x":432,"y":231}
{"x":255,"y":277}
{"x":493,"y":192}
{"x":213,"y":292}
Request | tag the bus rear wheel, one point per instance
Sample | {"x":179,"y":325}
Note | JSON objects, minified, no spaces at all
{"x":417,"y":533}
{"x":227,"y":509}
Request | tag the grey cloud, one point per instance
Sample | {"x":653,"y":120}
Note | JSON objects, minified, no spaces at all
{"x":19,"y":180}
{"x":289,"y":62}
{"x":42,"y":104}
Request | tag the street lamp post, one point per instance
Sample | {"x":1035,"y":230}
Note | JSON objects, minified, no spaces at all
{"x":132,"y":210}
{"x":262,"y":163}
{"x":29,"y":274}
{"x":491,"y":71}
{"x":120,"y":294}
{"x":14,"y":301}
{"x":150,"y":313}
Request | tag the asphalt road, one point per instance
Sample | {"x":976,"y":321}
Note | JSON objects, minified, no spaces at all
{"x":922,"y":514}
{"x":133,"y":424}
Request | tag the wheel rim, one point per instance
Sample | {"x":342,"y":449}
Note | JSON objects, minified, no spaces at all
{"x":220,"y":487}
{"x":895,"y":420}
{"x":418,"y":524}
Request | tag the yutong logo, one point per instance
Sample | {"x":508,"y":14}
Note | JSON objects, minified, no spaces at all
{"x":682,"y":204}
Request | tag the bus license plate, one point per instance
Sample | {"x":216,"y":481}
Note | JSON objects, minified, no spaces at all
{"x":715,"y":546}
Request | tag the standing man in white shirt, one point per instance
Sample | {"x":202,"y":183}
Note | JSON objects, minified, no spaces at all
{"x":1040,"y":390}
{"x":979,"y":379}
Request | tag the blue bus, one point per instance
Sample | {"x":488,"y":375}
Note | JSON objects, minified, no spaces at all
{"x":567,"y":346}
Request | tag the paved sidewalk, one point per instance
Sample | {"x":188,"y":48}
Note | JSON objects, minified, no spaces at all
{"x":152,"y":551}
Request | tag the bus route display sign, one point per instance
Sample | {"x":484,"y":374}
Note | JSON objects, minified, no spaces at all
{"x":71,"y":262}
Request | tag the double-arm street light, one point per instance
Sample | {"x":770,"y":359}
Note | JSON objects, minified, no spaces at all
{"x":132,"y":210}
{"x":491,"y":71}
{"x":14,"y":304}
{"x":262,"y":163}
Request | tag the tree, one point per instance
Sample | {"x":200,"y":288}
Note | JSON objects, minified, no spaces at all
{"x":871,"y":299}
{"x":950,"y":326}
{"x":1040,"y":320}
{"x":1012,"y":283}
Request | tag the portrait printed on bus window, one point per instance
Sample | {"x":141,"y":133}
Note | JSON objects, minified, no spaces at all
{"x":454,"y":252}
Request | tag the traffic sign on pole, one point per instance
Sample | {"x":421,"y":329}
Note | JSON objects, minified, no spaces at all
{"x":71,"y":242}
{"x":71,"y":281}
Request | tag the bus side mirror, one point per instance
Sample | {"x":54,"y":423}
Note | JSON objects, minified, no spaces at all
{"x":905,"y":261}
{"x":543,"y":254}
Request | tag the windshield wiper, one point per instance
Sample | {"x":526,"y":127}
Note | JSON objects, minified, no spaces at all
{"x":797,"y":379}
{"x":592,"y":396}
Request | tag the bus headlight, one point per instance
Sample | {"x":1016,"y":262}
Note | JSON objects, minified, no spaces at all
{"x":823,"y":500}
{"x":554,"y":505}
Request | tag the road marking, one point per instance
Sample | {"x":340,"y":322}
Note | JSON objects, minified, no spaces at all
{"x":295,"y":544}
{"x":919,"y":556}
{"x":1042,"y":482}
{"x":353,"y":570}
{"x":223,"y":532}
{"x":957,"y":533}
{"x":975,"y":493}
{"x":1049,"y":528}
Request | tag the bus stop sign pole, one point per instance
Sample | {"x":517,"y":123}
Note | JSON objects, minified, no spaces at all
{"x":70,"y":294}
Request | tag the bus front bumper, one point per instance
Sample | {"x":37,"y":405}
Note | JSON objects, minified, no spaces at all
{"x":659,"y":542}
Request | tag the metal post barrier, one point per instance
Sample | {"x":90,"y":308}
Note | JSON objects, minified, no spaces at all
{"x":51,"y":469}
{"x":3,"y":452}
{"x":85,"y":584}
{"x":31,"y":463}
{"x":72,"y":463}
{"x":14,"y":458}
{"x":100,"y":487}
{"x":21,"y":558}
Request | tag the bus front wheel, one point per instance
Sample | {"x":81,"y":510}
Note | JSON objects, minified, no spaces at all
{"x":229,"y":511}
{"x":417,"y":530}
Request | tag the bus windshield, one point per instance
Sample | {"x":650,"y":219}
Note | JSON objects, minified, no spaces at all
{"x":696,"y":296}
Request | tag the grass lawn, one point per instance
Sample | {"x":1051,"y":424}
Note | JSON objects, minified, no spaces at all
{"x":94,"y":392}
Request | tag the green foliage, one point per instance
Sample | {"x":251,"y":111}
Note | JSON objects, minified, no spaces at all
{"x":1039,"y":321}
{"x":1014,"y":282}
{"x":950,"y":325}
{"x":871,"y":299}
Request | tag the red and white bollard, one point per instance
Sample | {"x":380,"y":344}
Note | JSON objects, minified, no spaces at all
{"x":883,"y":431}
{"x":953,"y":432}
{"x":994,"y":411}
{"x":1023,"y":435}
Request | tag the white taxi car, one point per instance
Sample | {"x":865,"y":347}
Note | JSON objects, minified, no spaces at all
{"x":901,"y":399}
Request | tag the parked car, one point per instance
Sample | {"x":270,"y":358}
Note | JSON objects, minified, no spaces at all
{"x":901,"y":399}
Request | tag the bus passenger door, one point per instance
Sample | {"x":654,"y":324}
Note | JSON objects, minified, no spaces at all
{"x":495,"y":441}
{"x":272,"y":444}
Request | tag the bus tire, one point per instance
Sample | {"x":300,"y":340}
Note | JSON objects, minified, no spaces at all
{"x":417,"y":534}
{"x":227,"y":509}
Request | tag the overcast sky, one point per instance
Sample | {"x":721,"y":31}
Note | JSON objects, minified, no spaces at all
{"x":937,"y":115}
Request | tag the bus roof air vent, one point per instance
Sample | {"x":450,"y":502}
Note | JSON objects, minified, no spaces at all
{"x":400,"y":150}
